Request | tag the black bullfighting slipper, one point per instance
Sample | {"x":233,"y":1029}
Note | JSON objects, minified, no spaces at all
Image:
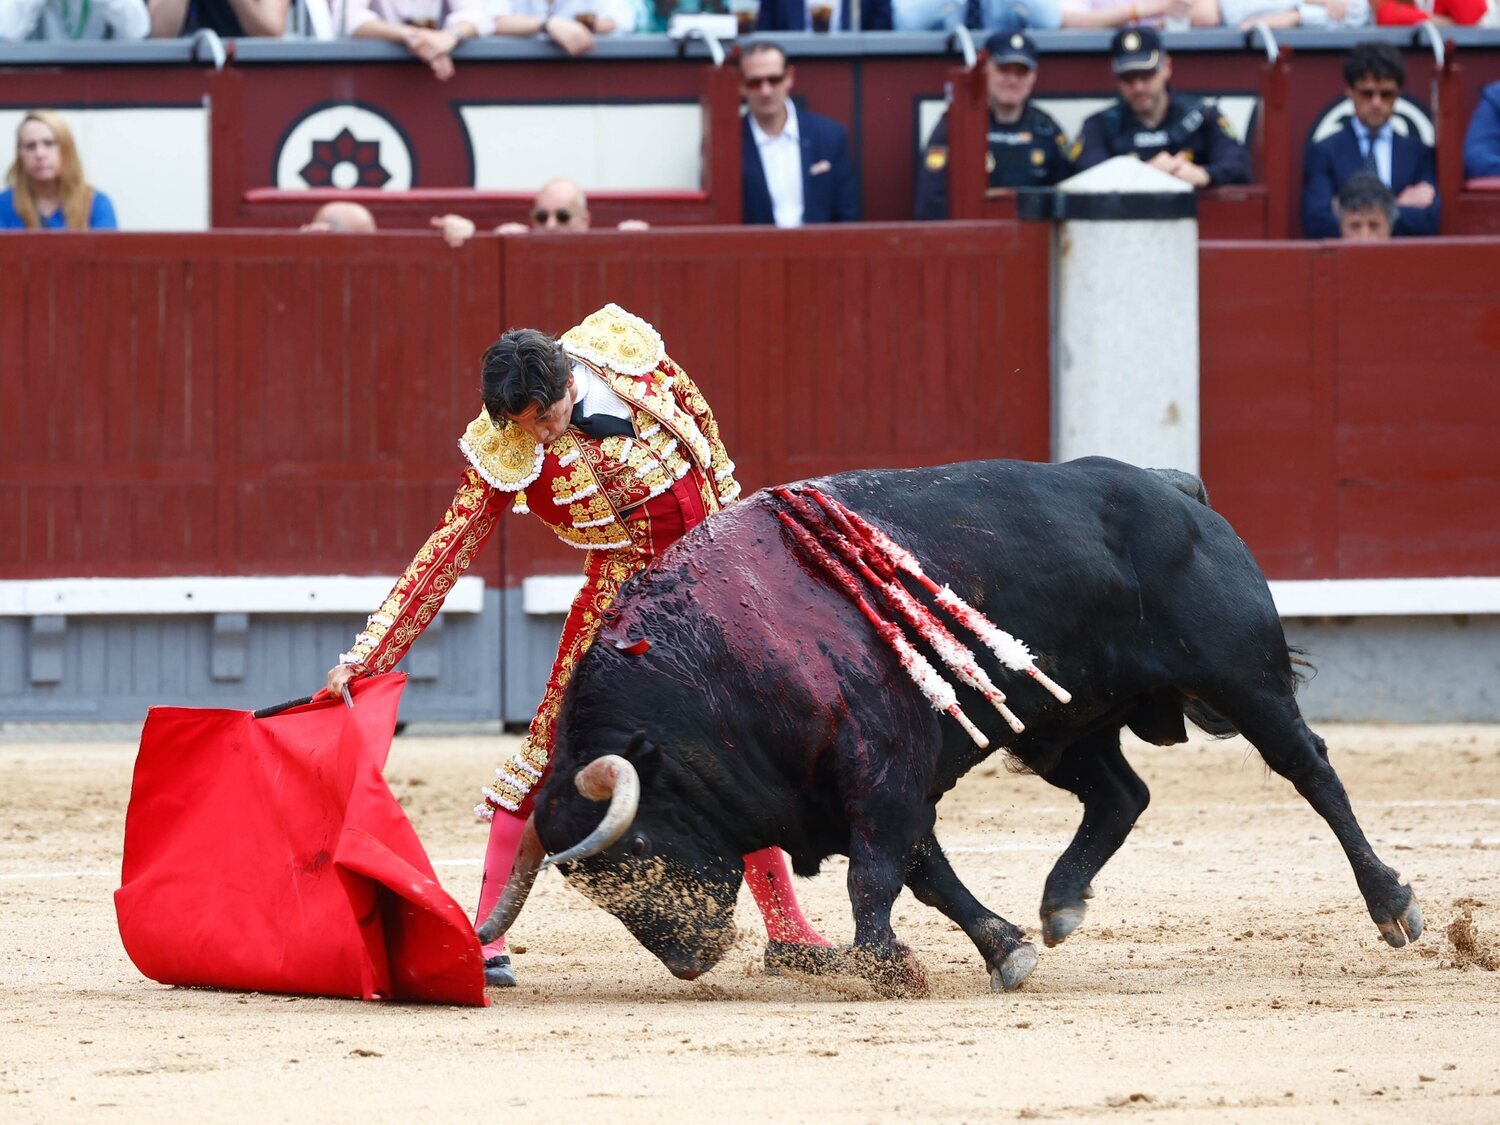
{"x":792,"y":957}
{"x":498,"y":973}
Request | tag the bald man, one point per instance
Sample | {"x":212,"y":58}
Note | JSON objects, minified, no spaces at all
{"x":559,"y":205}
{"x":342,"y":217}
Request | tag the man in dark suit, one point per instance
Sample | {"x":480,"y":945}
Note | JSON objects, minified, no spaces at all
{"x":796,"y":164}
{"x":1369,"y":142}
{"x":792,"y":15}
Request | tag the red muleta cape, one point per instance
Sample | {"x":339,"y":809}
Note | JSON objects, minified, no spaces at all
{"x":269,"y":855}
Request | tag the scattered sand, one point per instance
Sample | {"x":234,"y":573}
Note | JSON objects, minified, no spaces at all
{"x":1227,"y":971}
{"x":1469,"y":947}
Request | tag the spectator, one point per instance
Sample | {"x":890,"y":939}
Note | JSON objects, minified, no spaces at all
{"x":1368,"y":141}
{"x":62,"y":19}
{"x":429,"y":29}
{"x":1047,"y":15}
{"x":796,"y":164}
{"x":1399,"y":13}
{"x":1367,"y":209}
{"x":47,"y":190}
{"x":1182,"y":135}
{"x":1279,"y":14}
{"x":1482,"y":142}
{"x":822,"y":15}
{"x":571,"y":24}
{"x":343,"y":218}
{"x":559,"y":205}
{"x":1027,"y":148}
{"x":170,"y":18}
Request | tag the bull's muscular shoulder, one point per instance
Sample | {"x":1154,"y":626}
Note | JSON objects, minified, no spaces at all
{"x":618,"y":340}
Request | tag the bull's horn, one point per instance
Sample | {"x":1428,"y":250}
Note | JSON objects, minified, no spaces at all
{"x":523,"y":873}
{"x":610,"y":776}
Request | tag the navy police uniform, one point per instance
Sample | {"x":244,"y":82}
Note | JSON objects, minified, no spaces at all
{"x":1030,"y":152}
{"x":1033,"y":152}
{"x":1193,"y":127}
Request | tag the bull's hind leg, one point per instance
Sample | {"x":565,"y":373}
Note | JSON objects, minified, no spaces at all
{"x":1275,"y":727}
{"x":932,"y":879}
{"x":1113,"y":796}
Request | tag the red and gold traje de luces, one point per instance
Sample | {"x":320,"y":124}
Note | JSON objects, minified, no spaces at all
{"x":623,"y":500}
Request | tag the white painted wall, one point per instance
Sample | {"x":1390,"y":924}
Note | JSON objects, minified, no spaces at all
{"x":615,"y":147}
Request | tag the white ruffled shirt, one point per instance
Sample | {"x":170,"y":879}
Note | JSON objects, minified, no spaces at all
{"x":593,"y":396}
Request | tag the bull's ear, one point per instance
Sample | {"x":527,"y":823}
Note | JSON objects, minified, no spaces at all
{"x":643,"y":755}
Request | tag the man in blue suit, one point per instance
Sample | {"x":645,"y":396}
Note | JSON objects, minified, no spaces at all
{"x":1367,"y":142}
{"x":792,"y":15}
{"x":796,"y":163}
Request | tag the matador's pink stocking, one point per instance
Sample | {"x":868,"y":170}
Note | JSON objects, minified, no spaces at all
{"x":771,"y":884}
{"x":499,"y":857}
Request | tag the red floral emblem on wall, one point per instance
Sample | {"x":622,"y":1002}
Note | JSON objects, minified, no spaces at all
{"x":345,"y":162}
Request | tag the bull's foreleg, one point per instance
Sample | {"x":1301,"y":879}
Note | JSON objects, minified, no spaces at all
{"x":875,"y":879}
{"x":932,"y":879}
{"x":1113,"y":797}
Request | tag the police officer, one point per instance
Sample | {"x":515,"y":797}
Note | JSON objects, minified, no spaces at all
{"x":1027,"y":148}
{"x":1185,"y":136}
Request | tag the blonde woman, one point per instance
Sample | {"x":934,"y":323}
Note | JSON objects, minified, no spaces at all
{"x":47,"y":190}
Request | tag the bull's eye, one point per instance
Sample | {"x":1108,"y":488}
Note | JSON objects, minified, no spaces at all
{"x":638,"y":846}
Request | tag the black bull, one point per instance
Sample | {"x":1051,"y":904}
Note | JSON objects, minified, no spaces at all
{"x":766,"y":711}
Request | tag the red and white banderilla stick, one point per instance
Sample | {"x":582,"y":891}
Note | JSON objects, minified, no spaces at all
{"x":954,"y":652}
{"x":1011,"y":652}
{"x":939,"y":692}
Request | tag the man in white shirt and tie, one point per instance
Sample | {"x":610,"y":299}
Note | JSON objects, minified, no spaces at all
{"x":1369,"y":141}
{"x":796,"y":163}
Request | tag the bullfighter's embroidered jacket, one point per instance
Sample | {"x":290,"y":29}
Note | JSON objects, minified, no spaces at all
{"x":608,"y":496}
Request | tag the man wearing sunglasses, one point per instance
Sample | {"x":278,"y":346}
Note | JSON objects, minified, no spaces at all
{"x":560,"y":205}
{"x":1373,"y":139}
{"x":1184,"y":136}
{"x":796,"y":163}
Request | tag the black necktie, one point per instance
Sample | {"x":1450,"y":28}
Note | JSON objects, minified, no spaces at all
{"x":601,"y":425}
{"x":1371,"y":166}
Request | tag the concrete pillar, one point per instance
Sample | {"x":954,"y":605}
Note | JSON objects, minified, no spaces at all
{"x":1125,"y":276}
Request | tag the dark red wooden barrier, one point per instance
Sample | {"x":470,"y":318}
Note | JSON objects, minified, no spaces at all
{"x":233,"y":403}
{"x":823,"y":350}
{"x":266,"y":404}
{"x":1350,"y":405}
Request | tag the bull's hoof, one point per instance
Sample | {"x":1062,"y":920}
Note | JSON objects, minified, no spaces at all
{"x":1060,"y":921}
{"x":1010,"y":973}
{"x":1404,"y":926}
{"x":811,"y":960}
{"x":900,"y":976}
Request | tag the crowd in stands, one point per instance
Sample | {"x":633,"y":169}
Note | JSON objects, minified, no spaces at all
{"x":1369,"y":177}
{"x":432,"y":28}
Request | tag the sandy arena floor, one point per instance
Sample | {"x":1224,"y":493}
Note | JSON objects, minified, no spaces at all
{"x":1227,"y":972}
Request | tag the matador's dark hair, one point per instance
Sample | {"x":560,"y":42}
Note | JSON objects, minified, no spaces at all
{"x":522,"y":369}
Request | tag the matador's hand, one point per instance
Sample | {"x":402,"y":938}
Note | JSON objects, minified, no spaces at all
{"x":340,"y":675}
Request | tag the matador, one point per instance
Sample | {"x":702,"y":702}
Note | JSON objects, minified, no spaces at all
{"x":609,"y":443}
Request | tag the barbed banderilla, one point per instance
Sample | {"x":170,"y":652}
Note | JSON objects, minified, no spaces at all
{"x":955,"y":654}
{"x":846,"y":548}
{"x":1007,"y":649}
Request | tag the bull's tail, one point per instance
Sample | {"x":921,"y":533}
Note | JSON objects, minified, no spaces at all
{"x":1186,"y":483}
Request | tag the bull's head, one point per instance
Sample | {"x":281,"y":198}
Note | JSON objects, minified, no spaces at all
{"x":673,"y":889}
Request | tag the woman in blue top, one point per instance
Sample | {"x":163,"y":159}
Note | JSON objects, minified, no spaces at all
{"x":47,"y":190}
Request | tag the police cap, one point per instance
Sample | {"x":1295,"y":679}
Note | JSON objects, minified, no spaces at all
{"x":1011,"y":47}
{"x":1135,"y":49}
